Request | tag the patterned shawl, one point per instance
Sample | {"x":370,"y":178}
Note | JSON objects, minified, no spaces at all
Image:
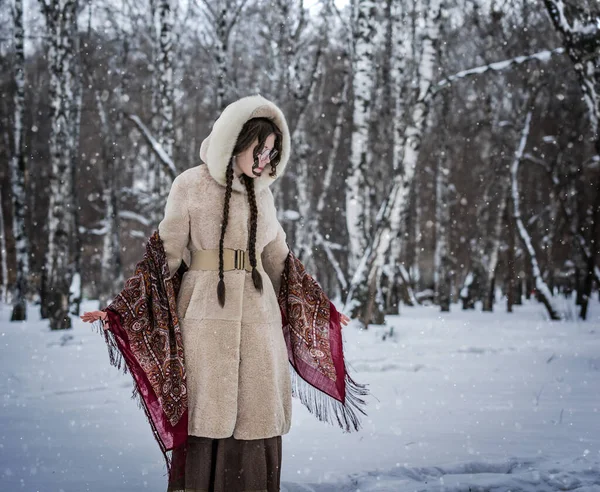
{"x":144,"y":332}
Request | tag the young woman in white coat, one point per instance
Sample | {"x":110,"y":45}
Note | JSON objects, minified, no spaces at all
{"x":220,"y":218}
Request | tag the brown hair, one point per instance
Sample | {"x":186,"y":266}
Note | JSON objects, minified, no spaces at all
{"x":254,"y":128}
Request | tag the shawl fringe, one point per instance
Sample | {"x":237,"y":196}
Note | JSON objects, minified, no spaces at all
{"x":328,"y":409}
{"x":311,"y":328}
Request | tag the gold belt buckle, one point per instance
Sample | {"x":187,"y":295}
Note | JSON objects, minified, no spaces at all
{"x":239,"y":259}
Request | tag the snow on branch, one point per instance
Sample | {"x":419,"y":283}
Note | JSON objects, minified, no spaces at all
{"x":128,"y":214}
{"x":156,"y":146}
{"x":542,"y":56}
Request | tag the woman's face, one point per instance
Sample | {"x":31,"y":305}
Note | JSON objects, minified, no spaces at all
{"x":245,"y":161}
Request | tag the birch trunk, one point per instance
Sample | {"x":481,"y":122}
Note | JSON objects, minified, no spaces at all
{"x":361,"y":153}
{"x":17,"y":176}
{"x":415,"y":270}
{"x":386,"y":244}
{"x":111,"y":273}
{"x":221,"y":57}
{"x":493,"y":253}
{"x":306,"y":227}
{"x":163,"y":101}
{"x":441,"y":260}
{"x":580,"y":30}
{"x":510,"y":264}
{"x":400,"y":287}
{"x":166,"y":135}
{"x":75,"y":288}
{"x":340,"y":119}
{"x":3,"y":259}
{"x":542,"y":290}
{"x":61,"y":19}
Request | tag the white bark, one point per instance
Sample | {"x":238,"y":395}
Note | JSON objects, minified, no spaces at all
{"x":162,"y":124}
{"x":541,"y":287}
{"x":306,"y":227}
{"x":111,"y":271}
{"x":17,"y":174}
{"x":581,"y":32}
{"x":580,"y":29}
{"x":3,"y":259}
{"x":361,"y":153}
{"x":166,"y":135}
{"x":386,"y":249}
{"x":223,"y":15}
{"x":495,"y":242}
{"x":398,"y":67}
{"x":61,"y":19}
{"x":168,"y":165}
{"x":415,"y":271}
{"x":413,"y":134}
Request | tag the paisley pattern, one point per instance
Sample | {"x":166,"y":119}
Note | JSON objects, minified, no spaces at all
{"x":148,"y":313}
{"x":145,"y":332}
{"x":312,"y":331}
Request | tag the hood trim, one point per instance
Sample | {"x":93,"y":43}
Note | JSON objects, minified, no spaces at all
{"x":216,"y":149}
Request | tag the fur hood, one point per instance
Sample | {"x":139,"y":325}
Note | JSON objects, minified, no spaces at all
{"x":216,"y":149}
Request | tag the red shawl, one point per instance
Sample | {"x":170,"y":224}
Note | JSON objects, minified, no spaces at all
{"x":144,"y":331}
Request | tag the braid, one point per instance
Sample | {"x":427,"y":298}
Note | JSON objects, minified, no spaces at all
{"x":221,"y":284}
{"x":256,"y":277}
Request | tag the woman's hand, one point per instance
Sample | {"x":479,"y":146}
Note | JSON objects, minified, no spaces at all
{"x":344,"y":319}
{"x":91,"y":316}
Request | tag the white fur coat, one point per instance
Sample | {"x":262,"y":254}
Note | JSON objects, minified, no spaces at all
{"x":236,"y":359}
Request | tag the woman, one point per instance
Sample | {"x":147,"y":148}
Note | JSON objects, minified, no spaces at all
{"x":220,"y":219}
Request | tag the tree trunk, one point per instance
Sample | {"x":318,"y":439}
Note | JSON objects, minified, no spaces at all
{"x":494,"y":247}
{"x":3,"y":259}
{"x":384,"y":253}
{"x":75,"y":294}
{"x":591,"y":259}
{"x":580,"y":30}
{"x":361,"y":149}
{"x":18,"y":171}
{"x":163,"y":102}
{"x":111,"y":274}
{"x":543,"y":293}
{"x":510,"y":264}
{"x":61,"y":19}
{"x":441,"y":260}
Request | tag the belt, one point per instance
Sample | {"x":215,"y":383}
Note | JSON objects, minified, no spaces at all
{"x":233,"y":259}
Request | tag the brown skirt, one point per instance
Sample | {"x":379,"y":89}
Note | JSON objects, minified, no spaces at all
{"x":230,"y":465}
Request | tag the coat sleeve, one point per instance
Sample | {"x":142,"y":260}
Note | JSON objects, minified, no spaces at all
{"x":174,"y":229}
{"x":273,"y":257}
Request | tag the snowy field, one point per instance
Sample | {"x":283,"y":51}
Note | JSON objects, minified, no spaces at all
{"x":466,"y":401}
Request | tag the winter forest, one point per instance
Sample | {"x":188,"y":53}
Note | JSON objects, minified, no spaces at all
{"x":445,"y":153}
{"x":442,"y":150}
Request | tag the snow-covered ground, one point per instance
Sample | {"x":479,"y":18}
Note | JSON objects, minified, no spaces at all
{"x":465,"y":401}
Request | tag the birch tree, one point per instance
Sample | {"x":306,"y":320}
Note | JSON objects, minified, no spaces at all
{"x":222,"y":16}
{"x":162,"y":12}
{"x":384,"y":251}
{"x":542,"y":289}
{"x":441,"y":261}
{"x":3,"y":253}
{"x":111,"y":273}
{"x":61,"y":20}
{"x":18,"y":173}
{"x":364,"y":34}
{"x":579,"y":27}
